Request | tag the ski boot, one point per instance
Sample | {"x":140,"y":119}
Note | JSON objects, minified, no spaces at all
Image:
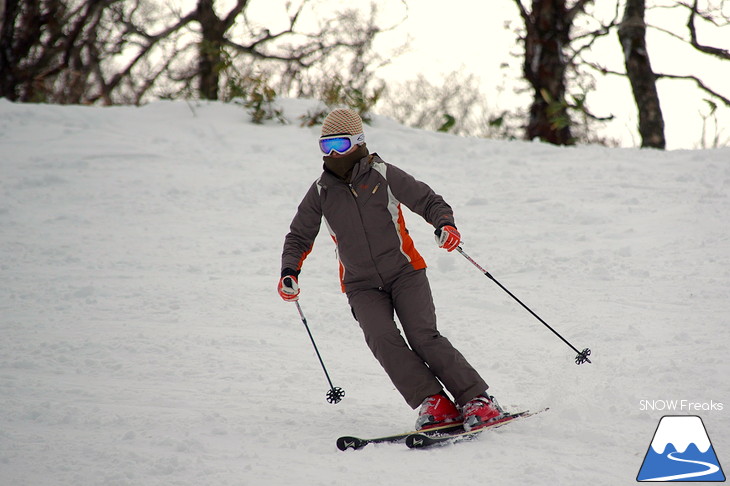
{"x":482,"y":411}
{"x":436,"y":411}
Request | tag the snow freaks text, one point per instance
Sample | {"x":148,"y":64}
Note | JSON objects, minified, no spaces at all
{"x":680,"y":406}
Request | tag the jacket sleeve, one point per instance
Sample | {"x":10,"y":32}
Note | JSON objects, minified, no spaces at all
{"x":419,"y":197}
{"x":304,"y":228}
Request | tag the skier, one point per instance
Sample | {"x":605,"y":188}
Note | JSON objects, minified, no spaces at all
{"x":360,"y":196}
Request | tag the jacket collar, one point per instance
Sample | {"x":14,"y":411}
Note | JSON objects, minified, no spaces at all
{"x":328,"y":178}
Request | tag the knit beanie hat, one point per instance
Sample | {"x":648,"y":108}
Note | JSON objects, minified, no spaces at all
{"x":342,"y":121}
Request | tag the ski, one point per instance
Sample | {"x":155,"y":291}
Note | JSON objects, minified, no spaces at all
{"x":419,"y":440}
{"x":355,"y":443}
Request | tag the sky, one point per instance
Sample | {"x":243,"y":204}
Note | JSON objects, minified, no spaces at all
{"x":472,"y":36}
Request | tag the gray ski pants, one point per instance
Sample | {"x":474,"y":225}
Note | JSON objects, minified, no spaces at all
{"x":419,"y":370}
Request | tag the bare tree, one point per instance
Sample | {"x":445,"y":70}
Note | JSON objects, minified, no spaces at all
{"x":547,"y":34}
{"x":86,"y":51}
{"x":715,"y":17}
{"x":49,"y":49}
{"x":632,"y":34}
{"x":449,"y":104}
{"x":631,"y":29}
{"x":213,"y":47}
{"x":712,"y":14}
{"x":453,"y":104}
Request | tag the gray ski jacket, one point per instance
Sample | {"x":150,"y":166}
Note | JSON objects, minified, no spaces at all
{"x":365,"y":221}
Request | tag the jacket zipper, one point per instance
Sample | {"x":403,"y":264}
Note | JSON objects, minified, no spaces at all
{"x":354,"y":193}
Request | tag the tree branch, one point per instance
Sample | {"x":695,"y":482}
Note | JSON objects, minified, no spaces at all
{"x":152,"y":40}
{"x":523,"y":12}
{"x":231,"y":17}
{"x":699,"y":83}
{"x":577,"y":8}
{"x":713,"y":51}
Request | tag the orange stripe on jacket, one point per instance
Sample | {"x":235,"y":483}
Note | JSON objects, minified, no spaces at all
{"x":407,"y":247}
{"x":341,"y":270}
{"x":304,"y":257}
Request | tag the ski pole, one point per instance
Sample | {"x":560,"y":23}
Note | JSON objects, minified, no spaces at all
{"x":335,"y":393}
{"x":582,"y":356}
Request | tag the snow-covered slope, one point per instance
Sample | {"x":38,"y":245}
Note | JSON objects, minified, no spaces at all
{"x":143,"y":342}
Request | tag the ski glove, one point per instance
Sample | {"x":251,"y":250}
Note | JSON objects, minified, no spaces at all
{"x":289,"y":288}
{"x":448,"y":237}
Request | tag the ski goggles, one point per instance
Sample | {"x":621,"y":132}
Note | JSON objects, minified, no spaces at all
{"x":339,"y":143}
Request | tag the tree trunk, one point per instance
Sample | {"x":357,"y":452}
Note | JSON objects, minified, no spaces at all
{"x":210,"y":57}
{"x":631,"y":34}
{"x":548,"y":30}
{"x":8,"y":79}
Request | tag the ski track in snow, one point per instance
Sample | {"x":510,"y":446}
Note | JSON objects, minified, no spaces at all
{"x":143,"y":341}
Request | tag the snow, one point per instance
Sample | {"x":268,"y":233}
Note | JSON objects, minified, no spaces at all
{"x":143,"y":341}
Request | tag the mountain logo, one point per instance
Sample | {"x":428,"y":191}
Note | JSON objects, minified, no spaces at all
{"x":681,"y":451}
